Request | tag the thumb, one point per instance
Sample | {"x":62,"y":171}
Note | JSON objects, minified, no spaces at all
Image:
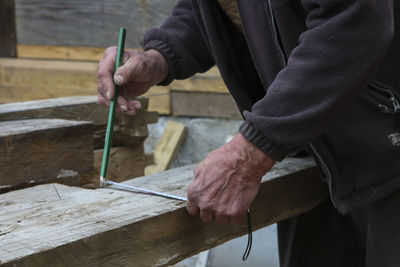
{"x":135,"y":69}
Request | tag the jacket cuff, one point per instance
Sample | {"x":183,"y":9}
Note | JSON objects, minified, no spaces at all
{"x":257,"y":138}
{"x":165,"y":50}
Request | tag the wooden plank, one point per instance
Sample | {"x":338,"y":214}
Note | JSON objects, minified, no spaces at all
{"x":202,"y":82}
{"x":7,"y":29}
{"x":128,"y":129}
{"x":44,"y":149}
{"x":84,"y":53}
{"x":159,"y":100}
{"x":55,"y":74}
{"x":55,"y":22}
{"x":81,"y":74}
{"x":79,"y":227}
{"x":167,"y":147}
{"x":203,"y":104}
{"x":18,"y":93}
{"x":28,"y":79}
{"x":125,"y":162}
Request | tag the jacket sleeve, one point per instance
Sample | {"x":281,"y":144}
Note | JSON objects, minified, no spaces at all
{"x":342,"y":48}
{"x":180,"y":41}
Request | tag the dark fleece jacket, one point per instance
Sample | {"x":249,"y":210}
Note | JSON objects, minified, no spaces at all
{"x":297,"y":73}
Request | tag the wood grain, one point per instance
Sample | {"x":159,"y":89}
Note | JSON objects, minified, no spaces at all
{"x":203,"y":104}
{"x":126,"y":162}
{"x":109,"y":227}
{"x":32,"y":79}
{"x":40,"y":150}
{"x":69,"y":76}
{"x":7,"y":29}
{"x":128,"y":129}
{"x":159,"y":100}
{"x":84,"y":53}
{"x":87,"y":22}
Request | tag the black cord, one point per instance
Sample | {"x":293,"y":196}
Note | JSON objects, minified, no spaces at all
{"x":249,"y":237}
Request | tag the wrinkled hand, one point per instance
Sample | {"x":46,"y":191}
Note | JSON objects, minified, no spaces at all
{"x":227,"y":181}
{"x":138,"y":72}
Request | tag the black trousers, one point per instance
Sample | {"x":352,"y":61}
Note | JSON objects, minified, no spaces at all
{"x":368,"y":236}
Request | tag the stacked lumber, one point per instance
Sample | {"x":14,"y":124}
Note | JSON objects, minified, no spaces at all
{"x":203,"y":95}
{"x":127,"y":157}
{"x":57,"y":225}
{"x":54,"y":59}
{"x":44,"y":150}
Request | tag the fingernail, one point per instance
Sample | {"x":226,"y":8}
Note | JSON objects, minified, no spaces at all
{"x":124,"y":108}
{"x":108,"y":94}
{"x":119,"y":79}
{"x":137,"y":105}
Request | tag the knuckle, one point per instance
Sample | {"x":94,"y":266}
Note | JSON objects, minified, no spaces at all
{"x":110,"y":50}
{"x":141,"y":65}
{"x":236,"y":212}
{"x":192,"y":192}
{"x":101,"y":74}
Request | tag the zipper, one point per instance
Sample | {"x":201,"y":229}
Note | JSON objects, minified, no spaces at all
{"x":392,"y":97}
{"x":327,"y":173}
{"x":276,"y":35}
{"x":323,"y":165}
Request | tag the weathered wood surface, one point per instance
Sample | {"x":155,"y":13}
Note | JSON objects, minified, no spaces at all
{"x":167,"y":147}
{"x":40,"y":150}
{"x":83,"y":53}
{"x":87,"y":22}
{"x":109,"y":227}
{"x":159,"y":100}
{"x":127,"y":130}
{"x":125,"y":162}
{"x":203,"y":104}
{"x":31,"y":78}
{"x":7,"y":29}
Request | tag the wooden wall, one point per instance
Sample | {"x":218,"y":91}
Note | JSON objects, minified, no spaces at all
{"x":87,"y":22}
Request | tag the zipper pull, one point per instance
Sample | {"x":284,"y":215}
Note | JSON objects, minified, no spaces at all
{"x":396,"y":104}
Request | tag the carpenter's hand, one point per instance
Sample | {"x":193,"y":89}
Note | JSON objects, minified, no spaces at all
{"x":227,"y":181}
{"x":139,"y":71}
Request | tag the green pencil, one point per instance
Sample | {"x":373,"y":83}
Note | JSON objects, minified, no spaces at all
{"x":111,"y":113}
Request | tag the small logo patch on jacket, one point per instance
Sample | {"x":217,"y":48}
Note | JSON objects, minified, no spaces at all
{"x":395,"y":138}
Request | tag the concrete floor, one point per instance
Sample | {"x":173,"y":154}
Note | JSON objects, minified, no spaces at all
{"x":203,"y":136}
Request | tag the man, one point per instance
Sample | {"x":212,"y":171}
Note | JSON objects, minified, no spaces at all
{"x":314,"y":74}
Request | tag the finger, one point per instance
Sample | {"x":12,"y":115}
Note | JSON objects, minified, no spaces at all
{"x":192,"y":209}
{"x":105,"y":85}
{"x":222,"y":219}
{"x":122,"y":104}
{"x":206,"y":215}
{"x":133,"y":106}
{"x":101,"y":100}
{"x":135,"y":69}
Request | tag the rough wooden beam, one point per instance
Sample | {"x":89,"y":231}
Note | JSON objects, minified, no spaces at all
{"x":167,"y":147}
{"x":127,"y":130}
{"x":210,"y":81}
{"x":7,"y":29}
{"x":125,"y":162}
{"x":78,"y":227}
{"x":159,"y":100}
{"x":31,"y":79}
{"x":40,"y":150}
{"x":56,"y":74}
{"x":203,"y":104}
{"x":83,"y":53}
